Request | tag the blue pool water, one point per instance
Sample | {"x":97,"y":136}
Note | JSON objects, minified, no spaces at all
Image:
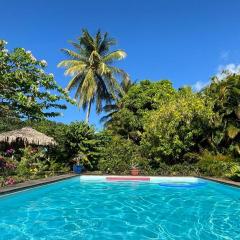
{"x":75,"y":209}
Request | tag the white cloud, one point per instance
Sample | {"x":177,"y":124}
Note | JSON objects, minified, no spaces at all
{"x":199,"y":85}
{"x":224,"y":70}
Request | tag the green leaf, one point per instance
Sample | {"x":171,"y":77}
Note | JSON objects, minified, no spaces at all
{"x":232,"y":131}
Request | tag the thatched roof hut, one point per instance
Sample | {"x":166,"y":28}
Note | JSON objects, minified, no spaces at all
{"x":28,"y":136}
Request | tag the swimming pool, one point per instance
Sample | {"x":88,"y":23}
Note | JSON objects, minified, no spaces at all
{"x":100,"y":208}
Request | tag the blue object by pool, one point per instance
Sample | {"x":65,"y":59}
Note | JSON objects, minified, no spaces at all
{"x":183,"y":184}
{"x":75,"y":209}
{"x":78,"y":169}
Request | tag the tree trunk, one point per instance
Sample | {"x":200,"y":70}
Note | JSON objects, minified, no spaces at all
{"x":88,"y":112}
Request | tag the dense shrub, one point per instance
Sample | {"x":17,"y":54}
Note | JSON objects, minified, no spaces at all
{"x":181,"y":169}
{"x":119,"y":155}
{"x":217,"y":165}
{"x":141,"y":98}
{"x":191,"y":157}
{"x":234,"y":172}
{"x":74,"y":140}
{"x":176,"y":127}
{"x":34,"y":162}
{"x":81,"y":139}
{"x":224,"y":136}
{"x":58,"y":153}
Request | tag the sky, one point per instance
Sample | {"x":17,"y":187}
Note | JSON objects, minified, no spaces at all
{"x":185,"y":41}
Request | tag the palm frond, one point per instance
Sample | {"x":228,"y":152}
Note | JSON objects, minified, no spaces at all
{"x":75,"y":82}
{"x":87,"y":41}
{"x":77,"y":69}
{"x":70,"y":63}
{"x":106,"y":44}
{"x":73,"y":54}
{"x":76,"y":45}
{"x":126,"y":81}
{"x":106,"y":118}
{"x":116,"y":55}
{"x":89,"y":87}
{"x":126,"y":84}
{"x":98,"y":39}
{"x":110,"y":107}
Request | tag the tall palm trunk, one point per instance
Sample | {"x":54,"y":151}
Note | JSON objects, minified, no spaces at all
{"x":88,"y":111}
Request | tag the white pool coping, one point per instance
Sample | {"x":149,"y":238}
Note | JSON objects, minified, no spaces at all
{"x":138,"y":178}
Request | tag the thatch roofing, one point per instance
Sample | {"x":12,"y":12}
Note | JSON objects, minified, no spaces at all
{"x":27,"y":135}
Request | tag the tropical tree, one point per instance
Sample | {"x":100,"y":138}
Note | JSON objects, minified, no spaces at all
{"x":82,"y":140}
{"x":176,"y":127}
{"x":141,"y":98}
{"x":225,"y":95}
{"x":25,"y":86}
{"x":94,"y":76}
{"x":117,"y":104}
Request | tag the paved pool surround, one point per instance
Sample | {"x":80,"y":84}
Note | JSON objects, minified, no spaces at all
{"x":34,"y":183}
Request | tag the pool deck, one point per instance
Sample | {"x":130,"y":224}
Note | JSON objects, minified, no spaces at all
{"x":34,"y":183}
{"x":43,"y":181}
{"x":223,"y":181}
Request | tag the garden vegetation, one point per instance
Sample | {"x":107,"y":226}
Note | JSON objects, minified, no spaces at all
{"x":148,"y":124}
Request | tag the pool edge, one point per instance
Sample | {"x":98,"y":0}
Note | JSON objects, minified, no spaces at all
{"x":44,"y":181}
{"x":34,"y":183}
{"x":222,"y":181}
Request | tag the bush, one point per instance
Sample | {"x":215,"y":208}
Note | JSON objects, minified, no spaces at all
{"x":234,"y":172}
{"x":58,"y":131}
{"x":217,"y":165}
{"x":176,"y":127}
{"x":181,"y":169}
{"x":191,"y":157}
{"x":35,"y":163}
{"x":119,"y":155}
{"x":30,"y":162}
{"x":56,"y":167}
{"x":81,"y":139}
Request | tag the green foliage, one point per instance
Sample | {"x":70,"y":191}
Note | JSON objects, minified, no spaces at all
{"x":116,"y":104}
{"x":176,"y":127}
{"x":56,"y":130}
{"x":119,"y":155}
{"x":82,"y":139}
{"x":9,"y":123}
{"x":151,"y":125}
{"x":34,"y":162}
{"x":56,"y":168}
{"x":225,"y":95}
{"x":94,"y":77}
{"x":234,"y":172}
{"x":217,"y":165}
{"x":191,"y":157}
{"x":25,"y":86}
{"x":141,"y":99}
{"x":31,"y":162}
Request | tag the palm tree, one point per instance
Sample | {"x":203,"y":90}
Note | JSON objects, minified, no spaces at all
{"x":225,"y":96}
{"x":116,"y":105}
{"x":93,"y":75}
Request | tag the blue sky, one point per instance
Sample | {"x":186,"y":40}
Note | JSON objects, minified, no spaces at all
{"x":185,"y":41}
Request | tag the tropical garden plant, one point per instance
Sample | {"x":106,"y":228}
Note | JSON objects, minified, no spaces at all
{"x":151,"y":125}
{"x":113,"y":107}
{"x":26,"y":87}
{"x":91,"y":65}
{"x":225,"y":95}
